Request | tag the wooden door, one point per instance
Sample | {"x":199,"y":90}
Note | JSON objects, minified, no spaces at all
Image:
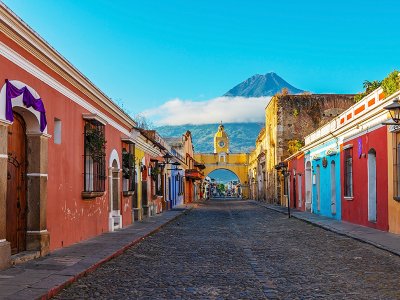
{"x":16,"y":186}
{"x":144,"y":193}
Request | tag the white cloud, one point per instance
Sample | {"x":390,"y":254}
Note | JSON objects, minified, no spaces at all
{"x":225,"y":109}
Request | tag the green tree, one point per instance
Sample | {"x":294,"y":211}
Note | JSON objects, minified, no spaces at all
{"x":391,"y":83}
{"x":221,"y":187}
{"x":370,"y":86}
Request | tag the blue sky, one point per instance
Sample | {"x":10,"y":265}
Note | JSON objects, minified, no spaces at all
{"x":147,"y":53}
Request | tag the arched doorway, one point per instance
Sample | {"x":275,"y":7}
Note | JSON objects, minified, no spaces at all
{"x":16,"y":185}
{"x":372,"y":185}
{"x":115,"y":219}
{"x":225,"y":184}
{"x":23,"y":172}
{"x":333,"y":187}
{"x":308,"y":181}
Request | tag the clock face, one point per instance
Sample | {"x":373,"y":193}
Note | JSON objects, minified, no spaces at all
{"x":221,"y":144}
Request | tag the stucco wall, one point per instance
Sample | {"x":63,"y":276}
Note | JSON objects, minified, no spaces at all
{"x":355,"y":210}
{"x":70,"y":219}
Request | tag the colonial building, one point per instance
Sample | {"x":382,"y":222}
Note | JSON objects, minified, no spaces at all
{"x":66,"y":149}
{"x":187,"y":174}
{"x":350,"y":171}
{"x":72,"y":163}
{"x":257,"y":167}
{"x":288,"y":119}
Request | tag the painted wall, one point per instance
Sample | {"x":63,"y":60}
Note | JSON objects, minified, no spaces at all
{"x":176,"y":196}
{"x":257,"y":168}
{"x":70,"y":218}
{"x":326,"y":207}
{"x":355,"y":209}
{"x":297,"y":186}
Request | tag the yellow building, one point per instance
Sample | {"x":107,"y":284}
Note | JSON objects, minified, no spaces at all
{"x":137,"y":205}
{"x":257,"y":168}
{"x":222,"y":159}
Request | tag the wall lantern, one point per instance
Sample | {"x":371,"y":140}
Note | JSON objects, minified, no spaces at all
{"x":167,"y":158}
{"x":394,"y":110}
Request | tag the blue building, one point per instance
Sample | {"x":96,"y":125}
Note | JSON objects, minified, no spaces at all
{"x":325,"y":179}
{"x":176,"y":187}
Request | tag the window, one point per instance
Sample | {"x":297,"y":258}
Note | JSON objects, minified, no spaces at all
{"x":180,"y":184}
{"x":128,"y":168}
{"x":348,"y":172}
{"x":94,"y":157}
{"x":156,"y":171}
{"x":57,"y":131}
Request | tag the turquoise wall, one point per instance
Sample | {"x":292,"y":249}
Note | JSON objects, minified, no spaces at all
{"x":326,"y":180}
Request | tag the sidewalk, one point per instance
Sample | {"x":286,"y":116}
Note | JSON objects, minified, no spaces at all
{"x":380,"y":239}
{"x":44,"y":277}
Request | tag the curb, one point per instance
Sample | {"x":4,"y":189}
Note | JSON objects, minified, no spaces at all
{"x":55,"y":290}
{"x":334,"y":230}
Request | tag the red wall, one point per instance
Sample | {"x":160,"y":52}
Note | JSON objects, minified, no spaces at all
{"x":70,"y":219}
{"x":356,"y":210}
{"x":297,"y":163}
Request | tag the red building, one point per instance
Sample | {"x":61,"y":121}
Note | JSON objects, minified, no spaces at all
{"x":63,"y":144}
{"x":295,"y":181}
{"x":364,"y":173}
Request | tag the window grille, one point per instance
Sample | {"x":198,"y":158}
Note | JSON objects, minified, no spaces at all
{"x":348,"y":172}
{"x":156,"y":179}
{"x":128,"y":168}
{"x":94,"y":157}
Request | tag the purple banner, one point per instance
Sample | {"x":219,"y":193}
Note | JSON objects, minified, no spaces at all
{"x":27,"y":99}
{"x":359,"y":141}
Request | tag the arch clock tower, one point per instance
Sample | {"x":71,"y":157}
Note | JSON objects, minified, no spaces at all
{"x":221,"y":140}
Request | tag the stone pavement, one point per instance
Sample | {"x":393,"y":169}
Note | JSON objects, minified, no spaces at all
{"x":241,"y":250}
{"x":381,"y":239}
{"x":44,"y":277}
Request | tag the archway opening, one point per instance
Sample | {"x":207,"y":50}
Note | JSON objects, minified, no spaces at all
{"x":224,"y":184}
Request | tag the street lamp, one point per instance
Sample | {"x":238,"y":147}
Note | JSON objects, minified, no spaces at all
{"x":394,"y":110}
{"x":282,"y":166}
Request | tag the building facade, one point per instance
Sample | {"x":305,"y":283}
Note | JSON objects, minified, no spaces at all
{"x":289,"y":118}
{"x":62,"y":148}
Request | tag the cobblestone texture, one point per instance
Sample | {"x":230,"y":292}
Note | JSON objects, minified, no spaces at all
{"x":239,"y":250}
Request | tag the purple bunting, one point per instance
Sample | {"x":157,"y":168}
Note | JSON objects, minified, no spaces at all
{"x":27,"y":99}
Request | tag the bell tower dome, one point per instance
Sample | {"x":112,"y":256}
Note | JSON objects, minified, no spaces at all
{"x":221,"y":140}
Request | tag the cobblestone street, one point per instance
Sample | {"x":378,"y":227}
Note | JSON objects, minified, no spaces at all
{"x":240,"y":250}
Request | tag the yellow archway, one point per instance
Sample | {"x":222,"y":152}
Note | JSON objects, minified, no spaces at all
{"x":234,"y":162}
